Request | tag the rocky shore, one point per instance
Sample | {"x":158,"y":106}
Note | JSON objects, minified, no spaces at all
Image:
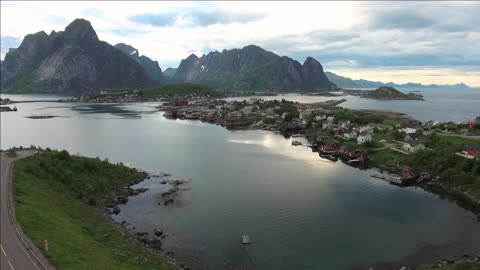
{"x":442,"y":264}
{"x":463,"y":198}
{"x":152,"y":240}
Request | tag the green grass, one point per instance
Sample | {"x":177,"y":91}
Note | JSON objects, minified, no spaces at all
{"x":51,"y":193}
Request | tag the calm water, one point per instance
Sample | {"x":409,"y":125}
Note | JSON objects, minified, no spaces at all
{"x":439,"y":104}
{"x":301,"y":211}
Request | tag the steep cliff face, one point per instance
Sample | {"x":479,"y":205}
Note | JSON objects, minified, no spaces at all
{"x":74,"y":60}
{"x":151,"y":67}
{"x":253,"y":68}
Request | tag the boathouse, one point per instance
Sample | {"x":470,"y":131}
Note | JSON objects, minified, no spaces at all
{"x":350,"y":152}
{"x":181,"y":103}
{"x":472,"y":150}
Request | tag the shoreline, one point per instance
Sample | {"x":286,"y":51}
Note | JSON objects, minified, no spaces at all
{"x":158,"y":240}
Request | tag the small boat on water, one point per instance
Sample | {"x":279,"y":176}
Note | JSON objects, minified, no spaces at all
{"x":331,"y":157}
{"x":246,"y":239}
{"x":295,"y":143}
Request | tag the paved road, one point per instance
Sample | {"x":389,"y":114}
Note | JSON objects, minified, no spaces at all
{"x":458,"y":135}
{"x":14,"y":253}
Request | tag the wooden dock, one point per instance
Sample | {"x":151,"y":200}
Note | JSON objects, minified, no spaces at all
{"x":396,"y":180}
{"x":246,"y":239}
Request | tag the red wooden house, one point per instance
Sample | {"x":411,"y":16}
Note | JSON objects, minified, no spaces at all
{"x":473,"y":150}
{"x":350,"y":152}
{"x":408,"y":175}
{"x":181,"y":103}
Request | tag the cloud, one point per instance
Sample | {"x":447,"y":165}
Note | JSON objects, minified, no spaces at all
{"x":349,"y":36}
{"x":159,"y":19}
{"x":194,"y":17}
{"x":405,"y":19}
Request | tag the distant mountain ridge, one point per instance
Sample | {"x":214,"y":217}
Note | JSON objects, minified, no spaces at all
{"x":252,"y":68}
{"x":74,"y":60}
{"x":345,"y":82}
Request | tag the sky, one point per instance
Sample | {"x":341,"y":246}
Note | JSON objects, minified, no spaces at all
{"x":427,"y":42}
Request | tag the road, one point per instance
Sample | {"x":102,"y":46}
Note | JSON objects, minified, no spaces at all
{"x":17,"y":252}
{"x":474,"y":137}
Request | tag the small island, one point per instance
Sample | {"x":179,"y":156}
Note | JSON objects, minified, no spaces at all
{"x":384,"y":93}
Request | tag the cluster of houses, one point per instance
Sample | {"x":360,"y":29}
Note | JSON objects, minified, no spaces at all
{"x":132,"y":96}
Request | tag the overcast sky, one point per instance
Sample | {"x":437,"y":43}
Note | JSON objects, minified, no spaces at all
{"x":426,"y":42}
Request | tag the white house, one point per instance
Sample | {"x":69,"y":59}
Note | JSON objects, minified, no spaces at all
{"x":344,"y":124}
{"x":350,"y":134}
{"x":330,"y":119}
{"x":367,"y":129}
{"x":410,"y":128}
{"x":413,"y":146}
{"x":364,"y":137}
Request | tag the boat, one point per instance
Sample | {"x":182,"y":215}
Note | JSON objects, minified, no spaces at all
{"x":331,"y":157}
{"x":295,"y":143}
{"x":246,"y":239}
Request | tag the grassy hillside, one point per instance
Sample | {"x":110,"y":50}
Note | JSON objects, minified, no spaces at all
{"x":53,"y":192}
{"x":385,"y":91}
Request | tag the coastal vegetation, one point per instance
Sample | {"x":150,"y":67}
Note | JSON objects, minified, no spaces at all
{"x":56,"y":197}
{"x":384,"y":92}
{"x":182,"y":89}
{"x":168,"y":92}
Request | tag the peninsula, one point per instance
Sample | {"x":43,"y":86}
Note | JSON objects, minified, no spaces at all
{"x":384,"y":93}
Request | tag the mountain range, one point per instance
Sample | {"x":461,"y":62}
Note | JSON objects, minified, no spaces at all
{"x":75,"y":60}
{"x":253,"y":68}
{"x":345,"y":82}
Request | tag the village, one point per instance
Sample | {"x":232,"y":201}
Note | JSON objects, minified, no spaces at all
{"x":358,"y":138}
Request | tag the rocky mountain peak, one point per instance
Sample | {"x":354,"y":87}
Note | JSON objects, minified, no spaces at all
{"x":71,"y":60}
{"x":81,"y":29}
{"x":127,"y":49}
{"x":191,"y":57}
{"x":151,"y":67}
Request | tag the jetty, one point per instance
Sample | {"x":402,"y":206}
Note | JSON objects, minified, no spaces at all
{"x":394,"y":180}
{"x":246,"y":239}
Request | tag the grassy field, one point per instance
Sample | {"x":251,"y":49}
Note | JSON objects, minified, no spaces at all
{"x":52,"y":194}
